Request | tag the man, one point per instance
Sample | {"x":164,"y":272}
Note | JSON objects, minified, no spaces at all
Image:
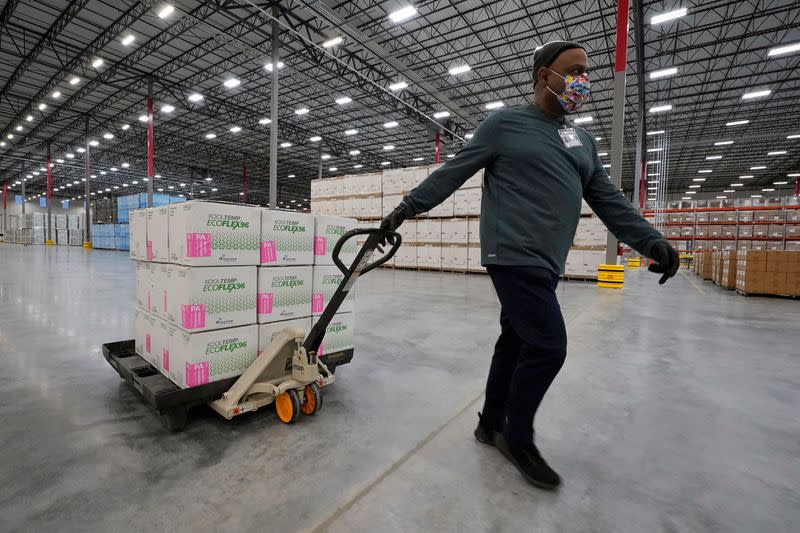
{"x":538,"y":166}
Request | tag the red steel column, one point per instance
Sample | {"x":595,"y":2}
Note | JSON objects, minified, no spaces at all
{"x":244,"y":183}
{"x":150,"y":173}
{"x":438,"y":147}
{"x":618,"y":115}
{"x":49,"y":239}
{"x":641,"y":186}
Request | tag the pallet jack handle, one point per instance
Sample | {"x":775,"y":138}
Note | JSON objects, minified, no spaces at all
{"x":361,"y":265}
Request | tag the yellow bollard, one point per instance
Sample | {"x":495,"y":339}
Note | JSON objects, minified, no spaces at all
{"x":634,"y":262}
{"x":610,"y":276}
{"x":87,"y":245}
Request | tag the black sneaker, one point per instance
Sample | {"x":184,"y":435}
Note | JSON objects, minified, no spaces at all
{"x":484,"y":433}
{"x":530,"y":464}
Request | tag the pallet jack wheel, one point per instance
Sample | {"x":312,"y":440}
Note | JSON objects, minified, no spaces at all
{"x":175,"y":419}
{"x":287,"y":406}
{"x":312,"y":399}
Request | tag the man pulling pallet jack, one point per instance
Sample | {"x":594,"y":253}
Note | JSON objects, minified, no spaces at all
{"x":537,"y":165}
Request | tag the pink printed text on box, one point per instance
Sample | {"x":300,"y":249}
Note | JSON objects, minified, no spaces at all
{"x":196,"y":374}
{"x":269,"y":252}
{"x":317,"y":302}
{"x":265,"y":303}
{"x":198,"y":245}
{"x":193,"y":316}
{"x":320,"y":245}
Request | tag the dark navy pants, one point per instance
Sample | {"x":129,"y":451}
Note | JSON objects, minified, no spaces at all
{"x":530,"y":351}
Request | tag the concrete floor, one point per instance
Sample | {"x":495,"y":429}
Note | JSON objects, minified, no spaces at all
{"x":676,"y":411}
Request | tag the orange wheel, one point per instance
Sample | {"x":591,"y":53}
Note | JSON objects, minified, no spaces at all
{"x":312,"y":399}
{"x":287,"y":406}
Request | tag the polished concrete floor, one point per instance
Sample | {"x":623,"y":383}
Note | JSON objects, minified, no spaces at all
{"x":677,"y":411}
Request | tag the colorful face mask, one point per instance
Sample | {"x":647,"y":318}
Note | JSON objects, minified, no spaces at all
{"x":577,"y":90}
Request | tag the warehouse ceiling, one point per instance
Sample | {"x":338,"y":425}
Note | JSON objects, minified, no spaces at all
{"x":66,"y":66}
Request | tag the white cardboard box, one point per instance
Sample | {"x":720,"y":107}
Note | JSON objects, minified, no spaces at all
{"x":207,"y":356}
{"x":206,"y":298}
{"x":211,"y":234}
{"x":420,"y":174}
{"x":138,"y":234}
{"x":390,"y":202}
{"x":468,"y":202}
{"x":408,"y":232}
{"x":455,"y":231}
{"x":287,"y":238}
{"x":474,"y":259}
{"x":326,"y":234}
{"x":158,"y":281}
{"x":406,"y":255}
{"x":338,"y":334}
{"x":474,"y":231}
{"x":284,"y":292}
{"x":429,"y":255}
{"x":158,"y":234}
{"x":454,"y":257}
{"x":144,"y":285}
{"x":429,"y":231}
{"x":326,"y":280}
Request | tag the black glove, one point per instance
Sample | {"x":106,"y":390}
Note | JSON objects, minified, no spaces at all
{"x":666,"y":260}
{"x":393,"y":220}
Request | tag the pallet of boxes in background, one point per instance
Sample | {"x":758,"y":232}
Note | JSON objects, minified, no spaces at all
{"x":216,"y":282}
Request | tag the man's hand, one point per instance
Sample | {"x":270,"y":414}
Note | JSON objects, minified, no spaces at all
{"x":393,"y":220}
{"x":666,"y":260}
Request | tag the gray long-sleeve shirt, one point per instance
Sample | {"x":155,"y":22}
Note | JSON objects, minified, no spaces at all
{"x":532,"y":189}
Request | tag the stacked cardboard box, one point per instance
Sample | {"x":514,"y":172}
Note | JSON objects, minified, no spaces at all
{"x":769,"y":272}
{"x":216,"y":282}
{"x":707,"y":265}
{"x":728,"y":279}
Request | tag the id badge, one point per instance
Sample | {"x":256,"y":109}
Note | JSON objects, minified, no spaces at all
{"x":570,"y":137}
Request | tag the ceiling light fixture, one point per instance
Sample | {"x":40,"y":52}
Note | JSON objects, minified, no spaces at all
{"x":391,"y":124}
{"x":698,"y":179}
{"x":663,"y":73}
{"x":694,"y":186}
{"x":128,"y":39}
{"x":780,"y":182}
{"x":264,"y":121}
{"x":195,"y":97}
{"x":355,"y":152}
{"x":469,"y":135}
{"x":661,"y":108}
{"x":747,"y":177}
{"x":756,"y":94}
{"x":358,"y":166}
{"x":737,"y":123}
{"x":461,"y":69}
{"x":332,"y":169}
{"x":108,"y":136}
{"x":325,"y":157}
{"x":670,"y":15}
{"x":125,"y":165}
{"x":125,"y":127}
{"x":402,"y":14}
{"x":655,"y":132}
{"x":344,"y":100}
{"x":350,"y":132}
{"x":210,"y":135}
{"x":737,"y":184}
{"x":418,"y":159}
{"x":269,"y":66}
{"x":315,"y":139}
{"x":778,"y":152}
{"x":167,"y":108}
{"x":441,"y":114}
{"x":705,"y":171}
{"x":98,"y":62}
{"x":29,"y":118}
{"x":331,"y":42}
{"x":230,"y":83}
{"x":74,"y":80}
{"x":398,"y":86}
{"x":786,"y":49}
{"x":42,"y":107}
{"x":768,"y":189}
{"x":301,"y":111}
{"x":385,"y":163}
{"x":165,"y":11}
{"x":583,"y":120}
{"x":759,"y":167}
{"x":652,"y":150}
{"x":285,"y":144}
{"x":494,"y":105}
{"x":713,"y":157}
{"x":235,"y":129}
{"x":723,"y":143}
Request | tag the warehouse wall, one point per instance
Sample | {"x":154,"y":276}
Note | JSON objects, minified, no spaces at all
{"x":75,"y":208}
